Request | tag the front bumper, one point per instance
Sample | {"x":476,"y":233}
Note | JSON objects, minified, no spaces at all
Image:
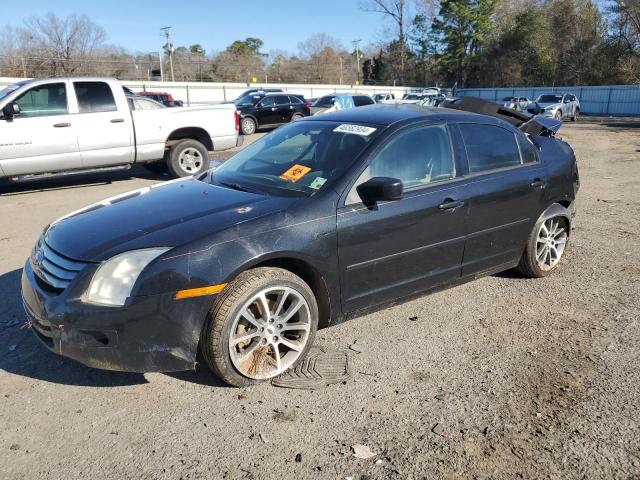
{"x":149,"y":334}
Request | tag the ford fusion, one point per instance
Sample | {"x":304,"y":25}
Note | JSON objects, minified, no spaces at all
{"x":319,"y":221}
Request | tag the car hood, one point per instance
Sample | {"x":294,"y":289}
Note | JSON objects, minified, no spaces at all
{"x":550,"y":106}
{"x":163,"y":215}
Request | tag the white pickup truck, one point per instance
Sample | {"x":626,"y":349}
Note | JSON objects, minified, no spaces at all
{"x":68,"y":125}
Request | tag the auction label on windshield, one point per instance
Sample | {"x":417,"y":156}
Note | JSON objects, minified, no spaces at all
{"x":357,"y":129}
{"x":295,"y":173}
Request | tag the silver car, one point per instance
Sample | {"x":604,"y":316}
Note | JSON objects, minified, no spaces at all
{"x":556,"y":105}
{"x":516,"y":103}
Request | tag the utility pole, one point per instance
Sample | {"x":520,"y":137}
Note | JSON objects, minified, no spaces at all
{"x":356,"y":44}
{"x":167,"y":33}
{"x":161,"y":69}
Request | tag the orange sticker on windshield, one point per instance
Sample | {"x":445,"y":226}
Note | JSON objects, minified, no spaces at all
{"x":295,"y":173}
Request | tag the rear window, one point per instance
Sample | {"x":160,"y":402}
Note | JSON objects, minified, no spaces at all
{"x":361,"y":100}
{"x":295,"y":100}
{"x":489,"y":147}
{"x":94,"y":97}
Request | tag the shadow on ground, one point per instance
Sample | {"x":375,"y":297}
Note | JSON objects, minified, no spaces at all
{"x":84,"y":180}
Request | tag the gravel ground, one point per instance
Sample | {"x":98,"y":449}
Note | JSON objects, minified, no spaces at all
{"x":500,"y":378}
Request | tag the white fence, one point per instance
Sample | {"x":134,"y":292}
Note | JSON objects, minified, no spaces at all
{"x":203,"y":93}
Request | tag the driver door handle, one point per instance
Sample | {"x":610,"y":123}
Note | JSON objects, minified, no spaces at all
{"x":450,"y":204}
{"x":538,"y":184}
{"x":117,"y":120}
{"x":61,"y":125}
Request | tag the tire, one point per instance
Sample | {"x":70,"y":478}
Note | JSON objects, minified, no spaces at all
{"x":187,"y":157}
{"x":529,"y":265}
{"x":248,"y":126}
{"x":253,"y":360}
{"x":559,"y":115}
{"x":159,"y":166}
{"x":575,"y":117}
{"x":296,"y":116}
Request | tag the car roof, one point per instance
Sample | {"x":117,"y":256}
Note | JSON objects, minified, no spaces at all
{"x":386,"y":115}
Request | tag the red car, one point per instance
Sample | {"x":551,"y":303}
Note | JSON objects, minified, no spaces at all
{"x":164,"y":98}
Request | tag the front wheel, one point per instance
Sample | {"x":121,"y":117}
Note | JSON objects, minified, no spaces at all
{"x":545,"y":247}
{"x":187,"y":157}
{"x":262,"y":324}
{"x":559,"y":115}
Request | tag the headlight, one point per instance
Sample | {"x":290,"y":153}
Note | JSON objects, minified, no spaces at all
{"x":113,"y":281}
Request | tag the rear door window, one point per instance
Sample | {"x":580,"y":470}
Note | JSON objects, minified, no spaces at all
{"x":43,"y":100}
{"x":94,"y":97}
{"x":295,"y":100}
{"x":489,"y":147}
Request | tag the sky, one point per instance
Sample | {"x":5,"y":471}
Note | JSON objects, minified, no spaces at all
{"x":281,"y":24}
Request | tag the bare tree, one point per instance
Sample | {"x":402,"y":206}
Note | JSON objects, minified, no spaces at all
{"x":396,"y":10}
{"x":64,"y":43}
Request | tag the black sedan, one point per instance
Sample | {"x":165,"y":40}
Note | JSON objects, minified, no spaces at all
{"x":316,"y":222}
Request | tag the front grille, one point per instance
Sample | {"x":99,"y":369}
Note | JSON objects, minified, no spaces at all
{"x":52,"y":268}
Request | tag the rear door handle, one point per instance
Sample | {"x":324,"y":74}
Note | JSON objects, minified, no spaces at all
{"x":538,"y":184}
{"x":117,"y":120}
{"x":450,"y":204}
{"x":273,"y":109}
{"x":61,"y":125}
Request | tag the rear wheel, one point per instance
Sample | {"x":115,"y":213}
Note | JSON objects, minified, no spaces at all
{"x":248,"y":126}
{"x":575,"y":116}
{"x":296,"y":116}
{"x":545,"y":247}
{"x":187,"y":157}
{"x":262,"y":324}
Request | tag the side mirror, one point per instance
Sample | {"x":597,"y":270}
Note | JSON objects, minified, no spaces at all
{"x":379,"y":189}
{"x":10,"y":110}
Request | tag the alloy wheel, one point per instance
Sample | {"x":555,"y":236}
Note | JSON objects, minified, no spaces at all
{"x":269,"y":332}
{"x":190,"y":160}
{"x":552,"y":239}
{"x":248,"y":126}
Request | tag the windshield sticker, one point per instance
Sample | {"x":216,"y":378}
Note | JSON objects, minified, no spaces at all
{"x":318,"y":182}
{"x":357,"y":129}
{"x":295,"y":173}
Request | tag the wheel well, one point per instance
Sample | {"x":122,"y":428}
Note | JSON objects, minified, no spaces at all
{"x":565,"y":203}
{"x":255,"y":120}
{"x":312,"y":277}
{"x":193,"y":133}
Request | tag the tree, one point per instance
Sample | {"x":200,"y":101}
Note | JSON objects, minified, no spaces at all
{"x":396,"y":10}
{"x":462,"y":28}
{"x":322,"y":53}
{"x":197,"y":50}
{"x":248,"y":46}
{"x":64,"y":43}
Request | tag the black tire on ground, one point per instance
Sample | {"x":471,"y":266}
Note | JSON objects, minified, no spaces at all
{"x":528,"y":265}
{"x":296,"y":116}
{"x":575,"y":117}
{"x":159,"y":166}
{"x":248,"y":126}
{"x":559,"y":115}
{"x":187,"y":157}
{"x":214,"y":340}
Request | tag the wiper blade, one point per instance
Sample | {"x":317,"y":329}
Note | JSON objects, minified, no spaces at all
{"x":235,"y":186}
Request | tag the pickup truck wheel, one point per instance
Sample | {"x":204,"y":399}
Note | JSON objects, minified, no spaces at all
{"x":187,"y":157}
{"x":248,"y":126}
{"x":261,"y":324}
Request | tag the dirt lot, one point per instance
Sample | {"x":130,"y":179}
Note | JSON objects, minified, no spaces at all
{"x":500,"y":378}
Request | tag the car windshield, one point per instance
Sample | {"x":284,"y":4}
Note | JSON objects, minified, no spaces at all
{"x":413,"y":97}
{"x":10,"y":88}
{"x":549,"y":99}
{"x":298,"y":159}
